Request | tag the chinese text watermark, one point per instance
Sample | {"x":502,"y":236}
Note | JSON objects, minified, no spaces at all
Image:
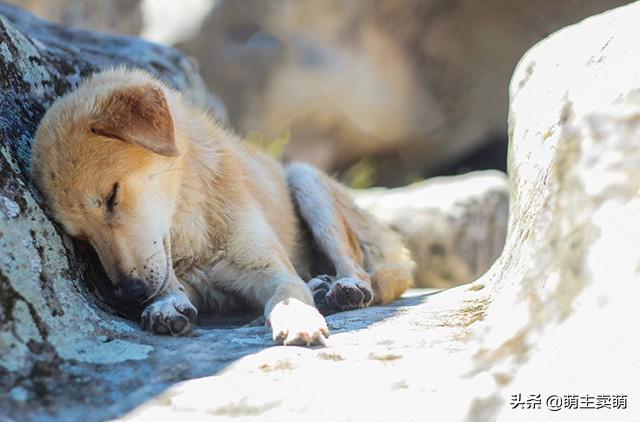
{"x":555,"y":402}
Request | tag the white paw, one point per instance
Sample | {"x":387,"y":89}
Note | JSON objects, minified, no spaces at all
{"x":293,"y":322}
{"x":172,"y":314}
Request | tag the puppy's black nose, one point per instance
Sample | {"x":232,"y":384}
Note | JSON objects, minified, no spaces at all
{"x":131,"y":290}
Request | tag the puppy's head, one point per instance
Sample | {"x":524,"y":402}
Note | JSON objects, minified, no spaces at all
{"x":104,"y":157}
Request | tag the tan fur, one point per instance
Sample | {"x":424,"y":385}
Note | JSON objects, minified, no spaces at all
{"x":198,"y":213}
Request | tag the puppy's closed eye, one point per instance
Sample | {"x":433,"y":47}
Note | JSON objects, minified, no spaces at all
{"x":112,"y":199}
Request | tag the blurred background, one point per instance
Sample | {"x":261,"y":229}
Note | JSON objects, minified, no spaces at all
{"x":376,"y":92}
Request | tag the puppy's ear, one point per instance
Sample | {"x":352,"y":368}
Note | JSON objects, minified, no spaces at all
{"x":139,"y":115}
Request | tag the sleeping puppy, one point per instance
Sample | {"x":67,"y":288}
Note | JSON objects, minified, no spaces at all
{"x":183,"y":215}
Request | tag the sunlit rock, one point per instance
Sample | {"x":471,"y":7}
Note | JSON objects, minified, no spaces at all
{"x":454,"y":226}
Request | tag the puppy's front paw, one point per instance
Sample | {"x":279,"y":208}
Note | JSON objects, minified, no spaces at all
{"x":349,"y":293}
{"x":294,"y":323}
{"x":169,"y":314}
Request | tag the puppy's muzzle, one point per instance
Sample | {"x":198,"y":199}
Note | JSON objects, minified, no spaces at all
{"x":132,"y":290}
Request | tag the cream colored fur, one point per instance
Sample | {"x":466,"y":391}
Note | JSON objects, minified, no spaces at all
{"x":198,"y":214}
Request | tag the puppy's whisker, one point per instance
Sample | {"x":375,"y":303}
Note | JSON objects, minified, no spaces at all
{"x":150,"y":257}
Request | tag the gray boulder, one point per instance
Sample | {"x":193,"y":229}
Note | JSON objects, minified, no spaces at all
{"x":115,"y":16}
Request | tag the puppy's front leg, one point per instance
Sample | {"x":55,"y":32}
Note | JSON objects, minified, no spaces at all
{"x":172,"y":312}
{"x":263,"y":273}
{"x":290,"y":312}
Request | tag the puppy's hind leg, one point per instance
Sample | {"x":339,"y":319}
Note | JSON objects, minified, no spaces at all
{"x":321,"y":206}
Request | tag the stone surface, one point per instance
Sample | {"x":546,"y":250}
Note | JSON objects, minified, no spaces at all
{"x":114,"y":16}
{"x":454,"y":226}
{"x":556,"y":314}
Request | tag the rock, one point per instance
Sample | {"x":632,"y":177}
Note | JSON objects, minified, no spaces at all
{"x":454,"y":226}
{"x":115,"y":16}
{"x":415,"y":85}
{"x":555,"y":315}
{"x":569,"y":273}
{"x":163,"y":22}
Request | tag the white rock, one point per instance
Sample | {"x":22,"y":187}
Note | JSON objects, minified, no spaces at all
{"x":455,"y":226}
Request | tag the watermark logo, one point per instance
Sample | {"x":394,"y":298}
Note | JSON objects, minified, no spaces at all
{"x":554,"y":402}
